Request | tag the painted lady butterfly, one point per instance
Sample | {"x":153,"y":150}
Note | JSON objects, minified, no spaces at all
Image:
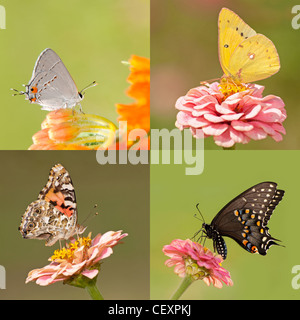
{"x":54,"y":215}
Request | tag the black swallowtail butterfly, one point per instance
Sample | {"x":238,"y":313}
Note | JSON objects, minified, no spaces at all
{"x":245,"y":219}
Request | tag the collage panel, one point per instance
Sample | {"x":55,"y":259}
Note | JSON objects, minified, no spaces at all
{"x":112,"y":201}
{"x":194,"y":61}
{"x":179,"y":215}
{"x":70,"y":73}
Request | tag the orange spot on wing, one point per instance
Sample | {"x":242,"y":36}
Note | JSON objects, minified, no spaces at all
{"x":254,"y":249}
{"x":34,"y":90}
{"x":59,"y":199}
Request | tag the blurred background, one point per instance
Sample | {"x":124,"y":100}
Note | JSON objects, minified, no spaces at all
{"x":91,"y":38}
{"x":122,"y":196}
{"x":184,"y":52}
{"x":226,"y":175}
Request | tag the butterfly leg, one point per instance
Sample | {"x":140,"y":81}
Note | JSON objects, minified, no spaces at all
{"x":201,"y":237}
{"x":80,"y":108}
{"x":51,"y":240}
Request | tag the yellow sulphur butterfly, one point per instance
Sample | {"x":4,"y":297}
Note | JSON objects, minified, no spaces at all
{"x":244,"y":55}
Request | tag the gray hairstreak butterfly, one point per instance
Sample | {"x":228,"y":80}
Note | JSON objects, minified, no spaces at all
{"x":51,"y":84}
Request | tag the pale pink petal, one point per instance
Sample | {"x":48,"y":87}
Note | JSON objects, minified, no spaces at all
{"x":46,"y":280}
{"x":197,"y":122}
{"x":256,"y":134}
{"x":180,"y":270}
{"x":180,"y":126}
{"x":90,"y":273}
{"x":73,"y":269}
{"x":198,"y":133}
{"x":215,"y":130}
{"x":278,"y":127}
{"x":217,"y":283}
{"x":277,"y":137}
{"x":212,"y":118}
{"x":238,"y":137}
{"x":206,"y":266}
{"x":257,"y":90}
{"x":273,"y":101}
{"x":207,"y":281}
{"x":96,"y":240}
{"x":232,"y":117}
{"x":196,"y":113}
{"x":184,"y":117}
{"x":269,"y":115}
{"x":253,"y":112}
{"x":265,"y":126}
{"x":223,"y":109}
{"x":205,"y":101}
{"x":224,"y":140}
{"x":241,"y":125}
{"x":111,"y":238}
{"x":205,"y":106}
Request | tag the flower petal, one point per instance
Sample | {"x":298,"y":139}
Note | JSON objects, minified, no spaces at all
{"x":236,"y":110}
{"x":215,"y":129}
{"x":90,"y":273}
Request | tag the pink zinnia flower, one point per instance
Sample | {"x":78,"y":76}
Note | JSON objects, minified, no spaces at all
{"x":231,"y":113}
{"x":80,"y":257}
{"x":191,"y":258}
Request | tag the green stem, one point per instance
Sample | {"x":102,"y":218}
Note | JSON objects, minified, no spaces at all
{"x":186,"y":282}
{"x":94,"y":292}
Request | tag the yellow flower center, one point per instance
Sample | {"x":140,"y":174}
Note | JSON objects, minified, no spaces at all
{"x":229,"y":87}
{"x":68,"y":253}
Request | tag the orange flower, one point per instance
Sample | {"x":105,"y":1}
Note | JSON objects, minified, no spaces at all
{"x":137,"y":114}
{"x":66,"y":129}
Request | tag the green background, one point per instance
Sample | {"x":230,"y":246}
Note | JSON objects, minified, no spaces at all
{"x":91,"y":37}
{"x":226,"y":174}
{"x":184,"y":52}
{"x":122,"y":196}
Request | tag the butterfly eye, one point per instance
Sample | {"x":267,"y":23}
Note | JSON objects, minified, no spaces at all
{"x":31,"y":225}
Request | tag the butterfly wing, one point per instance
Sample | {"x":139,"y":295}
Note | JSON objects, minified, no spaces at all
{"x":46,"y":60}
{"x":43,"y":221}
{"x":244,"y":55}
{"x":254,"y":59}
{"x":59,"y":191}
{"x":48,"y":78}
{"x":245,"y":218}
{"x":232,"y":31}
{"x":54,"y":215}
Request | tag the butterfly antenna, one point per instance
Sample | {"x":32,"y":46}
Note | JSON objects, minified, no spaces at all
{"x":91,"y":215}
{"x":202,"y":218}
{"x":93,"y":84}
{"x":201,"y":231}
{"x":18,"y":92}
